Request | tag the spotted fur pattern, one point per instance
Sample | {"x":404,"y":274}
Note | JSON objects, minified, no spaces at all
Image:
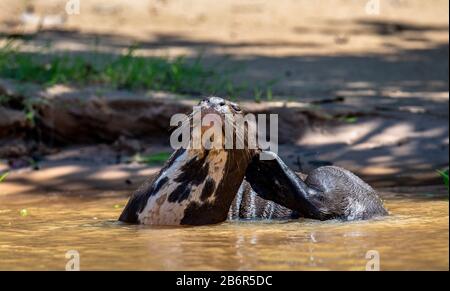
{"x":193,"y":179}
{"x":196,"y":187}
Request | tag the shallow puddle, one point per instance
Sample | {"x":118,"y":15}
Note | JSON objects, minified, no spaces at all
{"x":37,"y":231}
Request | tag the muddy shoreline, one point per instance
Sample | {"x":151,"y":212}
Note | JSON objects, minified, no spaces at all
{"x":70,"y":126}
{"x":364,"y":92}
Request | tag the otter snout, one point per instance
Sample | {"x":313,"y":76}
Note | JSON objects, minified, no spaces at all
{"x":214,"y":102}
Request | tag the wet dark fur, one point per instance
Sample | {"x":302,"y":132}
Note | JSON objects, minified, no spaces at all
{"x":244,"y":208}
{"x":216,"y":212}
{"x":327,"y":192}
{"x":140,"y":197}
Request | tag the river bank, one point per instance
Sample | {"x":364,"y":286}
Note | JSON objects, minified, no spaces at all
{"x":368,"y":92}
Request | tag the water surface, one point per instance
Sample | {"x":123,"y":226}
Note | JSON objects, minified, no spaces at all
{"x":414,"y":237}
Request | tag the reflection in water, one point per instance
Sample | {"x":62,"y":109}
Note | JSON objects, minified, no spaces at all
{"x":415,"y":236}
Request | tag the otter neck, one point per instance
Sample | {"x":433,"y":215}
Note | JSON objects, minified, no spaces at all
{"x":226,"y":185}
{"x":196,"y":187}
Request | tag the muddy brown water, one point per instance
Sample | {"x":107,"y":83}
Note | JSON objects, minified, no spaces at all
{"x":36,"y":232}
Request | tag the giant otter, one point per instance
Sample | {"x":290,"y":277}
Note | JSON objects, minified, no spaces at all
{"x":197,"y":186}
{"x":272,"y":190}
{"x":200,"y":186}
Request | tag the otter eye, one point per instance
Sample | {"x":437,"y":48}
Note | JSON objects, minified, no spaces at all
{"x":235,"y":107}
{"x":222,"y":103}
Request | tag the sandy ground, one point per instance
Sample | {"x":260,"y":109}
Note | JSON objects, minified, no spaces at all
{"x":390,"y":66}
{"x":249,"y":27}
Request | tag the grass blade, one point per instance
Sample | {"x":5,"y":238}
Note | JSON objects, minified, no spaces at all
{"x":153,"y":159}
{"x":3,"y":176}
{"x":444,"y":175}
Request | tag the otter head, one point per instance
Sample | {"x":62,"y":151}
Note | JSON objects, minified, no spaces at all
{"x":215,"y":126}
{"x":219,"y":105}
{"x":225,"y":165}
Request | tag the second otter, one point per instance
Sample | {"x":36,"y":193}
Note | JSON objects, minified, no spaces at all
{"x":272,"y":190}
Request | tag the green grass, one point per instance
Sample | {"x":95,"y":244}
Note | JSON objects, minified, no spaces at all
{"x":349,"y":119}
{"x":3,"y":176}
{"x":153,"y":159}
{"x":444,"y":175}
{"x":126,"y":71}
